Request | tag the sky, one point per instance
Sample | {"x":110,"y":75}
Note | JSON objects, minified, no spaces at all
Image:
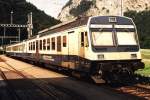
{"x":50,"y":7}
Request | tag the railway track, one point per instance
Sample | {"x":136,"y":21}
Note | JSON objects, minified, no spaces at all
{"x":137,"y":90}
{"x":52,"y":91}
{"x":9,"y":88}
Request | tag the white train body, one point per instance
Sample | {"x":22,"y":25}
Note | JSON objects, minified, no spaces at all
{"x":95,"y":45}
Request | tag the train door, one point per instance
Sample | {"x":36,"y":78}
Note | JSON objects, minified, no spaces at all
{"x":59,"y":50}
{"x":82,"y":44}
{"x":71,"y":49}
{"x":59,"y":44}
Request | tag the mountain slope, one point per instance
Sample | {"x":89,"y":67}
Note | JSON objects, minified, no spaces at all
{"x":75,"y":8}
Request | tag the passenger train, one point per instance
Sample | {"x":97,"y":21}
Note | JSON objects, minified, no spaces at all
{"x":101,"y":47}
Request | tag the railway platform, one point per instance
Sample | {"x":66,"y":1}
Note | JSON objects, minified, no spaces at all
{"x":23,"y":81}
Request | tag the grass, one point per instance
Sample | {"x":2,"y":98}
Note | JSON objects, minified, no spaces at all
{"x":146,"y":59}
{"x":145,"y":53}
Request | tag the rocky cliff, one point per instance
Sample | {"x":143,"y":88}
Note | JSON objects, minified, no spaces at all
{"x":75,"y":8}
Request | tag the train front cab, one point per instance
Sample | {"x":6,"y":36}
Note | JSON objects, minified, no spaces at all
{"x":113,"y":51}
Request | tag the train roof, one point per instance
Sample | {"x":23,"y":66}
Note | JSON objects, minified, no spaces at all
{"x":79,"y":21}
{"x":119,"y":20}
{"x":64,"y":26}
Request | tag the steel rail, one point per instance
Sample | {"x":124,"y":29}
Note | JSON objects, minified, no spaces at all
{"x":9,"y":87}
{"x":52,"y":94}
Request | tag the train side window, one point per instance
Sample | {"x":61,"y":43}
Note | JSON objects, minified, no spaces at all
{"x":30,"y":46}
{"x":16,"y":48}
{"x":37,"y":45}
{"x":64,"y":41}
{"x":44,"y":44}
{"x":33,"y":45}
{"x":59,"y":43}
{"x":86,"y":40}
{"x":40,"y":44}
{"x":53,"y":43}
{"x":82,"y":39}
{"x":48,"y":44}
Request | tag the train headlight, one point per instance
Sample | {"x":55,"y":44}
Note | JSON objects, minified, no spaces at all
{"x":100,"y":57}
{"x":133,"y":56}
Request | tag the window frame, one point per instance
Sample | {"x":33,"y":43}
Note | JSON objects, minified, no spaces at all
{"x":29,"y":45}
{"x":44,"y":44}
{"x":48,"y":44}
{"x":59,"y":49}
{"x":53,"y":43}
{"x":33,"y":45}
{"x":41,"y":45}
{"x":64,"y":41}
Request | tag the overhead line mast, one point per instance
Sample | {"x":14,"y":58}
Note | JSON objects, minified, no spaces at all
{"x":122,"y":14}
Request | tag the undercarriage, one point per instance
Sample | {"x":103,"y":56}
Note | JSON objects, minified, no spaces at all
{"x":117,"y":71}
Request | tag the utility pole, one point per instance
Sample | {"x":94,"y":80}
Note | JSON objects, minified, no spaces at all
{"x":19,"y":34}
{"x":3,"y":38}
{"x":11,"y":17}
{"x":30,"y":25}
{"x":122,"y":14}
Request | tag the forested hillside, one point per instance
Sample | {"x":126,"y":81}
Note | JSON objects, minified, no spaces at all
{"x":142,"y":21}
{"x":21,"y":8}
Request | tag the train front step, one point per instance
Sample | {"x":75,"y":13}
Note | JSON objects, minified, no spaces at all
{"x":98,"y":80}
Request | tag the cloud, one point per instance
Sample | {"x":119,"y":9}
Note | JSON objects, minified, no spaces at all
{"x":50,"y":7}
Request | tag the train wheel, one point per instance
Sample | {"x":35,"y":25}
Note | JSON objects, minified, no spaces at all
{"x":120,"y":78}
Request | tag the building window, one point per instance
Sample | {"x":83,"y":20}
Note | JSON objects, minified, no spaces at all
{"x":53,"y":43}
{"x":40,"y":44}
{"x":44,"y":44}
{"x":48,"y":44}
{"x":64,"y":41}
{"x":59,"y":43}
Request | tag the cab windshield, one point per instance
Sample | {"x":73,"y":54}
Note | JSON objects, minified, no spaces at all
{"x":126,"y":38}
{"x":110,"y":37}
{"x":102,"y":38}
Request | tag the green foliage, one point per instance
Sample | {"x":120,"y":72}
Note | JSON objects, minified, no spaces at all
{"x":146,"y":60}
{"x":142,"y":21}
{"x":145,"y":53}
{"x":94,"y":2}
{"x":145,"y":71}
